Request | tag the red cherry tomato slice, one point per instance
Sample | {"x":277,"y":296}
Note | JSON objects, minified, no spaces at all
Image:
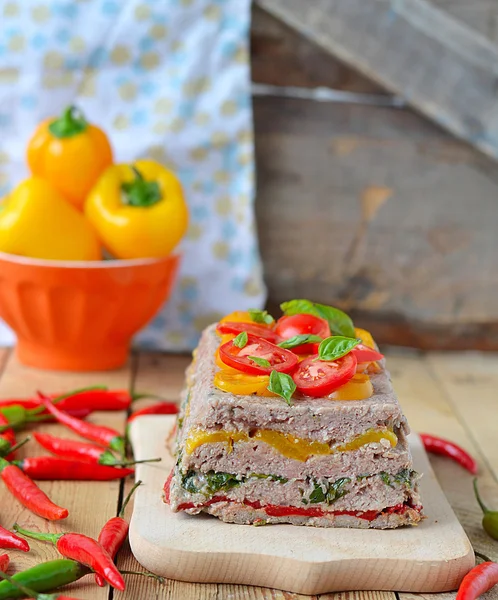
{"x":288,"y":327}
{"x":365,"y":354}
{"x":319,"y":378}
{"x":280,"y":359}
{"x":262,"y":331}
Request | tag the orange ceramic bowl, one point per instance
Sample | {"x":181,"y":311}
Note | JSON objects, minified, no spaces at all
{"x":80,"y":316}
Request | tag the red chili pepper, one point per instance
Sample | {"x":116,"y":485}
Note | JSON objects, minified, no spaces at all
{"x":477,"y":581}
{"x":11,"y":540}
{"x":84,"y":550}
{"x":4,"y":562}
{"x":443,"y":447}
{"x":70,"y":448}
{"x":161,"y":408}
{"x":101,"y":435}
{"x":55,"y":468}
{"x":29,"y":494}
{"x":90,"y":399}
{"x":114,"y":532}
{"x":95,"y":400}
{"x":83,"y":452}
{"x":7,"y":439}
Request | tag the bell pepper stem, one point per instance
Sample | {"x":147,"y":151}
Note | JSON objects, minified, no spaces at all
{"x":43,"y":537}
{"x":140,"y":192}
{"x":70,"y":123}
{"x":128,"y":498}
{"x":478,"y":498}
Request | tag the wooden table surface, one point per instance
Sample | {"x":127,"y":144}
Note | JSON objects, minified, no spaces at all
{"x":451,"y":395}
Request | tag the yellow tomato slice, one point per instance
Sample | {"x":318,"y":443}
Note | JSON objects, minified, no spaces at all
{"x":365,"y":337}
{"x":358,"y":388}
{"x":241,"y":383}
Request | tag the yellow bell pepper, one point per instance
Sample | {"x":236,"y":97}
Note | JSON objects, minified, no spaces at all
{"x":70,"y":153}
{"x":138,"y":211}
{"x":36,"y":221}
{"x":365,"y":337}
{"x":358,"y":388}
{"x":238,"y":316}
{"x":242,"y":383}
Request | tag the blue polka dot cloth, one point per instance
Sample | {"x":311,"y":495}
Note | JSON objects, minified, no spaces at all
{"x":169,"y":80}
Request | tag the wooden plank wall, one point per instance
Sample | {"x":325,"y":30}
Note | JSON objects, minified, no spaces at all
{"x":480,"y":15}
{"x":372,"y":208}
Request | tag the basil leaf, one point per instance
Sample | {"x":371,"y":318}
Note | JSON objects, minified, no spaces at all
{"x":260,"y":316}
{"x":336,"y":346}
{"x":270,"y":477}
{"x":283,"y":385}
{"x":317,"y":495}
{"x":189,"y":482}
{"x":405,"y":477}
{"x":298,"y":340}
{"x":299,"y":307}
{"x":262,"y":362}
{"x":339,"y":322}
{"x":386,"y":478}
{"x":220,"y":481}
{"x":241,"y":340}
{"x":337,"y":489}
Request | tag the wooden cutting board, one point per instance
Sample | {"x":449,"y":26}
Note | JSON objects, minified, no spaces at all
{"x":430,"y":558}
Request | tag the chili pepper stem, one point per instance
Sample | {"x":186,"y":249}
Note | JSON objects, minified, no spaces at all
{"x":118,"y":445}
{"x":129,"y":463}
{"x":478,"y":497}
{"x":43,"y":537}
{"x":128,"y":498}
{"x":145,"y":395}
{"x":158,"y":578}
{"x":482,"y":556}
{"x":20,"y":444}
{"x":22,"y":588}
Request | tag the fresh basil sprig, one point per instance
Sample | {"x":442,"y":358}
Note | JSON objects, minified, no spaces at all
{"x":262,"y":362}
{"x":339,"y":322}
{"x":283,"y":385}
{"x":260,"y":316}
{"x":241,"y":340}
{"x":298,"y":340}
{"x":335,"y":347}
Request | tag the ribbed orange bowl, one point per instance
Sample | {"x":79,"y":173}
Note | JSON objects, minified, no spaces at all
{"x":81,"y":316}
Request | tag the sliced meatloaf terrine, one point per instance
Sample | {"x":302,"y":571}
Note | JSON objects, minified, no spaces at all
{"x":320,"y":461}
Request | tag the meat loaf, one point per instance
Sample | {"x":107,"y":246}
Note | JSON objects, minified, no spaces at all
{"x":258,"y":460}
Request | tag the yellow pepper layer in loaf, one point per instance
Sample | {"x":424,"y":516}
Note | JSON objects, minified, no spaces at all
{"x":285,"y":443}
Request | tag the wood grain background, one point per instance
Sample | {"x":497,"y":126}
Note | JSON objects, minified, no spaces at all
{"x":371,"y":208}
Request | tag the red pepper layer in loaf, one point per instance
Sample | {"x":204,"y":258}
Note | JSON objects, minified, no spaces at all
{"x":318,"y":461}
